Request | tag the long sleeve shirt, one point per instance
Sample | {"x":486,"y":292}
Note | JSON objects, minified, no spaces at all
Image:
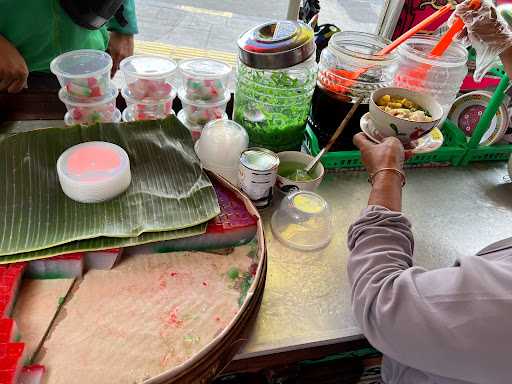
{"x":41,"y":30}
{"x":446,"y":326}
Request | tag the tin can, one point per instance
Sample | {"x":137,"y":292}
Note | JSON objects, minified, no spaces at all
{"x":258,"y":174}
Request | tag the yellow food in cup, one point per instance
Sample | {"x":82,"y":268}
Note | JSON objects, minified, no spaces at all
{"x":403,"y":108}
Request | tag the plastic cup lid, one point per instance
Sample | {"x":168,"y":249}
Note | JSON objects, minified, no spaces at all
{"x":204,"y":68}
{"x":303,"y":221}
{"x":148,"y":67}
{"x":81,"y":63}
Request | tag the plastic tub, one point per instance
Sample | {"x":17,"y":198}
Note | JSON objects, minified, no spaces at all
{"x":205,"y":79}
{"x":445,"y":75}
{"x":149,"y":76}
{"x":90,"y":112}
{"x":200,"y":112}
{"x":148,"y":108}
{"x":194,"y":129}
{"x":69,"y":121}
{"x":84,"y":73}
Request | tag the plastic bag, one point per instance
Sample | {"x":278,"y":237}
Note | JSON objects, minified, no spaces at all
{"x":487,"y":32}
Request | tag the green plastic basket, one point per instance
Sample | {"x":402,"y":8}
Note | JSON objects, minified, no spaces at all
{"x":451,"y":153}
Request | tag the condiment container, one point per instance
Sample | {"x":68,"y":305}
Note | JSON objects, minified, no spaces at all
{"x":336,"y":90}
{"x":84,"y":73}
{"x":220,"y":146}
{"x":148,"y":108}
{"x":149,"y":76}
{"x":201,"y":112}
{"x":445,"y":73}
{"x":101,"y":109}
{"x":275,"y":79}
{"x":205,"y":79}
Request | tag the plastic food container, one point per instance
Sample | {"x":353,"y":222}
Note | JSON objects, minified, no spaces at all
{"x":69,"y":121}
{"x":84,"y":73}
{"x":276,"y":76}
{"x":336,"y":91}
{"x":90,"y":112}
{"x":303,"y":221}
{"x":205,"y":79}
{"x":220,"y":147}
{"x":148,"y":108}
{"x":149,"y":76}
{"x":445,"y":75}
{"x":130,"y":115}
{"x":194,"y":129}
{"x":200,"y":112}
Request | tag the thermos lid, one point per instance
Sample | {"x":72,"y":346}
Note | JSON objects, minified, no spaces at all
{"x":277,"y":45}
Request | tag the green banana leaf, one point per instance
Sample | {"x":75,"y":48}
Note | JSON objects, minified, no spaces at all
{"x":169,"y":190}
{"x":104,"y":243}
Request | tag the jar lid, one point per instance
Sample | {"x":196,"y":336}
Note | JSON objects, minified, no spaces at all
{"x":276,"y":45}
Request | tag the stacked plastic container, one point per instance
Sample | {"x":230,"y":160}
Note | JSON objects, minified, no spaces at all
{"x":204,"y":92}
{"x":150,"y":87}
{"x":87,"y":91}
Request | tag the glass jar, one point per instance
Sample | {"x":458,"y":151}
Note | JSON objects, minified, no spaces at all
{"x":336,"y":91}
{"x":444,"y":76}
{"x":275,"y":80}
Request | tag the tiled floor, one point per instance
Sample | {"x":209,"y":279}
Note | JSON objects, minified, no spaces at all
{"x":215,"y":25}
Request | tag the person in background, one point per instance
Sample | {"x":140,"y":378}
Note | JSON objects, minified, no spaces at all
{"x":34,"y":32}
{"x":445,"y":326}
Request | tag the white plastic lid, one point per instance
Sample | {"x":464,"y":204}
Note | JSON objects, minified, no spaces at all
{"x":148,"y":67}
{"x":81,"y":63}
{"x":202,"y":68}
{"x":303,"y":221}
{"x":94,"y":171}
{"x":109,"y":97}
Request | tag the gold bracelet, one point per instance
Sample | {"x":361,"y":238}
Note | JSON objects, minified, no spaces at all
{"x":394,"y":170}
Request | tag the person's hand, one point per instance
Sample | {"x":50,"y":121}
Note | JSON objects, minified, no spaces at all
{"x":486,"y":31}
{"x":120,"y":46}
{"x":13,"y":69}
{"x":388,"y":154}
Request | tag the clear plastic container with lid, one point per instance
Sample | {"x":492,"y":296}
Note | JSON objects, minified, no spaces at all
{"x":445,"y":73}
{"x":337,"y":88}
{"x":148,"y":108}
{"x":205,"y":79}
{"x":83,"y":73}
{"x":87,"y":112}
{"x":276,"y":76}
{"x":149,"y":76}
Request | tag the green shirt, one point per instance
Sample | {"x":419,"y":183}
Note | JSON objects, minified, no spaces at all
{"x":41,"y":30}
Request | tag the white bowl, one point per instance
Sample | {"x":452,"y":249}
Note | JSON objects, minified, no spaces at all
{"x":285,"y":184}
{"x":405,"y":130}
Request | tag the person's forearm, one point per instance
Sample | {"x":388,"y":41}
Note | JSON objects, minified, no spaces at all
{"x":506,"y":59}
{"x":387,"y":191}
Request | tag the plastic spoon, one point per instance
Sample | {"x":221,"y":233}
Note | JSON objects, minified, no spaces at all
{"x":301,"y":174}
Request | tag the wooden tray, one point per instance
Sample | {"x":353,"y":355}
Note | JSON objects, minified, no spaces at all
{"x":94,"y":340}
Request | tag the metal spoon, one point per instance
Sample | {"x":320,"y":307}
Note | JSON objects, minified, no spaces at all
{"x":301,"y":174}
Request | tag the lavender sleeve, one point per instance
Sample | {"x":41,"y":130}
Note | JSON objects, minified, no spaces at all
{"x":441,"y":321}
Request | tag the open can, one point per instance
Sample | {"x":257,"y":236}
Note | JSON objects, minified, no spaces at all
{"x":258,"y":174}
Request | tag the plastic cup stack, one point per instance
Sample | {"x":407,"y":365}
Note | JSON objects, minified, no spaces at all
{"x":149,"y":91}
{"x":204,"y":93}
{"x":87,"y":91}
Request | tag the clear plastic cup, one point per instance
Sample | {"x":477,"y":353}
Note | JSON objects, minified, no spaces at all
{"x":200,"y":112}
{"x":91,"y":111}
{"x":205,"y":79}
{"x":69,"y":121}
{"x":194,"y":129}
{"x":130,"y":115}
{"x":84,"y":73}
{"x":148,"y":108}
{"x":149,"y":76}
